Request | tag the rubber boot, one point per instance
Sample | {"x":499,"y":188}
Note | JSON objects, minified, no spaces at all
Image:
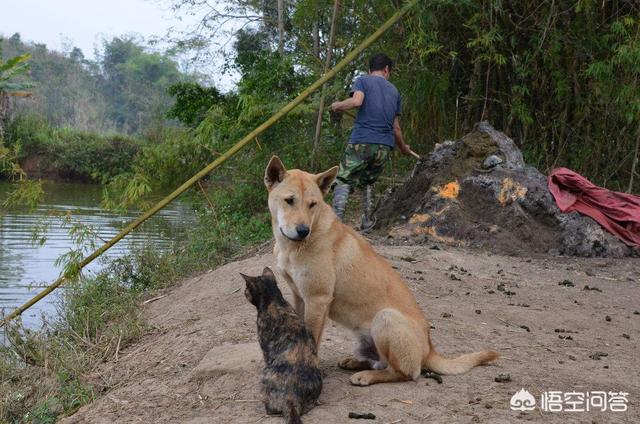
{"x":368,"y":220}
{"x":340,"y":197}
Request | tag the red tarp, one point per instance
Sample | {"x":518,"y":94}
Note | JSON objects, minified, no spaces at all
{"x":619,"y":213}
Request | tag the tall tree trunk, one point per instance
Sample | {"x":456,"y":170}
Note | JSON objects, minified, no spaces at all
{"x":327,"y":65}
{"x":316,"y":30}
{"x":4,"y":106}
{"x":281,"y":26}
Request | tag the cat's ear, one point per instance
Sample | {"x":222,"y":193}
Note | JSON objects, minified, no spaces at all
{"x":247,"y":291}
{"x":251,"y":281}
{"x":267,"y":273}
{"x":248,"y":279}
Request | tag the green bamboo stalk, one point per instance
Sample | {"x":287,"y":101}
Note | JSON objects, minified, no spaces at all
{"x":213,"y":165}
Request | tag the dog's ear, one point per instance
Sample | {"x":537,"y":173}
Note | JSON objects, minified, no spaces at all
{"x":274,"y":173}
{"x":267,"y":273}
{"x":326,"y":178}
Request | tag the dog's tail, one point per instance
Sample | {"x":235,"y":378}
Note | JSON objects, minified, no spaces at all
{"x":446,"y":366}
{"x":291,"y":412}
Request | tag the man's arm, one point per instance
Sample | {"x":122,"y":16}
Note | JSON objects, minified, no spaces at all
{"x":397,"y":133}
{"x":350,"y":103}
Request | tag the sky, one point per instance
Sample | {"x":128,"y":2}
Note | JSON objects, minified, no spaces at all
{"x":84,"y":23}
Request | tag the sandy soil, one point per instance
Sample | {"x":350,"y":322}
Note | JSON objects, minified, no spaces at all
{"x":474,"y":300}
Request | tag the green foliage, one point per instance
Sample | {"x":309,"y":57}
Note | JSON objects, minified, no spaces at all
{"x":192,"y":102}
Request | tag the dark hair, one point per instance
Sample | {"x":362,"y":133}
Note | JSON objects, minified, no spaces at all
{"x":379,"y":61}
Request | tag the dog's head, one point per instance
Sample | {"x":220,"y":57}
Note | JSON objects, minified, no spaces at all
{"x":295,"y":198}
{"x":263,"y":289}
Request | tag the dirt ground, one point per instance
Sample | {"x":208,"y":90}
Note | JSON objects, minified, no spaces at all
{"x":475,"y":300}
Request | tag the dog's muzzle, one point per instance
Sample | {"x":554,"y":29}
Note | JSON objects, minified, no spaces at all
{"x":302,"y":232}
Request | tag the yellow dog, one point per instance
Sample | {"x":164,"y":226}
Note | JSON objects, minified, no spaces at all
{"x":333,"y":272}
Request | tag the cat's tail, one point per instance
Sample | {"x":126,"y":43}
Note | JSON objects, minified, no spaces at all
{"x":291,"y":412}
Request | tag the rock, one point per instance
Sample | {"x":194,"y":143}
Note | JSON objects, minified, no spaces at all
{"x":598,"y":355}
{"x":362,"y":415}
{"x":502,"y":378}
{"x":430,"y":374}
{"x":228,"y":359}
{"x":492,"y":161}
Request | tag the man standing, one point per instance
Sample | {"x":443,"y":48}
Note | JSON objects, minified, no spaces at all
{"x":375,"y":132}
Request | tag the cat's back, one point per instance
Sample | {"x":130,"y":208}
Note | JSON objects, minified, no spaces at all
{"x":284,"y":337}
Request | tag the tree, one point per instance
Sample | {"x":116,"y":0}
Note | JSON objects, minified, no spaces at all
{"x":136,"y":83}
{"x":192,"y":102}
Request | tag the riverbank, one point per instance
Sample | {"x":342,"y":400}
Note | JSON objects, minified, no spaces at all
{"x":552,"y":332}
{"x":43,"y":374}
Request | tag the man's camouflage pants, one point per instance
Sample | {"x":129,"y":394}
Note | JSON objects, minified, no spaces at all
{"x":362,"y":164}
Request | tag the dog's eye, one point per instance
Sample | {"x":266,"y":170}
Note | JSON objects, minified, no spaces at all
{"x":289,"y":200}
{"x":312,"y":204}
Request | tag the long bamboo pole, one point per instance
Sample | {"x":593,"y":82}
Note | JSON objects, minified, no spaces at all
{"x":213,"y":165}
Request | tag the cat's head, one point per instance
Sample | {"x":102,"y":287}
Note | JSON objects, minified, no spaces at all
{"x":263,"y":289}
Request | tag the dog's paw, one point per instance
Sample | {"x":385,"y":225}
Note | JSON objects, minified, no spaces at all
{"x":362,"y":378}
{"x":352,"y":363}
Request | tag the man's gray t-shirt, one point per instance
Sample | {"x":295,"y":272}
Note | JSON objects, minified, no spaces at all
{"x":374,"y":123}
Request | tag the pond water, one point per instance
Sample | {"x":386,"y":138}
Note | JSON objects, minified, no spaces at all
{"x":26,"y":267}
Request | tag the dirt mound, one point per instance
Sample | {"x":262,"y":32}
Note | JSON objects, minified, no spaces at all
{"x":478,"y":192}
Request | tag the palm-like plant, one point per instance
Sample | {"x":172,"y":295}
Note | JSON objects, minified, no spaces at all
{"x":25,"y":192}
{"x":9,"y":87}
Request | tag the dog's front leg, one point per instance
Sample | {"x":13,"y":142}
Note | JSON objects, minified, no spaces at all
{"x":298,"y":303}
{"x":316,"y":310}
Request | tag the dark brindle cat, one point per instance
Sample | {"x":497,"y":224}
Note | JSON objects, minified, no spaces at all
{"x":291,"y":380}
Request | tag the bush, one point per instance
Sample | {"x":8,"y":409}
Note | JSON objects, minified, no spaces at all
{"x":71,"y":153}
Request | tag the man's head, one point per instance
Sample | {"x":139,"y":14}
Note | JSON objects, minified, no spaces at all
{"x":381,"y":64}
